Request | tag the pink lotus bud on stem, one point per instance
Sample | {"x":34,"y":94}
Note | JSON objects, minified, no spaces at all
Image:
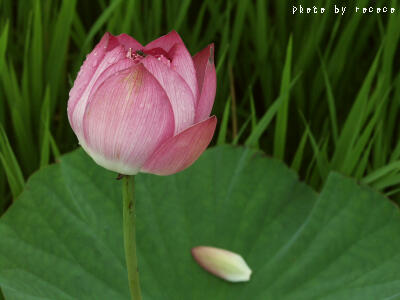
{"x":146,"y":108}
{"x":222,"y":263}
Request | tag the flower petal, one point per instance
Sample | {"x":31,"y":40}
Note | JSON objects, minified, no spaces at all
{"x":128,"y":42}
{"x":165,"y":42}
{"x":126,"y":119}
{"x":222,"y":263}
{"x":207,"y":81}
{"x":87,"y":71}
{"x":180,"y":151}
{"x":122,"y":64}
{"x":181,"y":60}
{"x":76,"y":106}
{"x":179,"y":93}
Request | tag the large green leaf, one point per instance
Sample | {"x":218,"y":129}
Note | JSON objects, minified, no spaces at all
{"x":62,"y":239}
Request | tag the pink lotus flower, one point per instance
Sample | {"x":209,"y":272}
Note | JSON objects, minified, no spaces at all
{"x":146,"y":108}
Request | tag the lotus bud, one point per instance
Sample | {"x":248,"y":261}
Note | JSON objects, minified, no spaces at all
{"x":146,"y":108}
{"x":222,"y":263}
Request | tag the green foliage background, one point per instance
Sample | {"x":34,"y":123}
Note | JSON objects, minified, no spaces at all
{"x":320,"y":92}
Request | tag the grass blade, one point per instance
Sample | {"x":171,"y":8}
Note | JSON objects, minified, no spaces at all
{"x":240,"y":132}
{"x":298,"y":157}
{"x":282,"y":114}
{"x":264,"y":122}
{"x":355,"y":118}
{"x":10,"y":164}
{"x":58,"y":49}
{"x":45,"y":118}
{"x":224,"y":124}
{"x":331,"y":102}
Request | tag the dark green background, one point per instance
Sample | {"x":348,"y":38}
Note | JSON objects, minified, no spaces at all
{"x":43,"y":43}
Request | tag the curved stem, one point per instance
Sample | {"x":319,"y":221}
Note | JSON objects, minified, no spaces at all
{"x":130,"y":236}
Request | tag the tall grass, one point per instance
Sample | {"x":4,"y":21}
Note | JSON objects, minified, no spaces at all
{"x":320,"y":92}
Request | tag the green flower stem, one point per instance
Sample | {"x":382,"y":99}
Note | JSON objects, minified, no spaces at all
{"x":130,"y":236}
